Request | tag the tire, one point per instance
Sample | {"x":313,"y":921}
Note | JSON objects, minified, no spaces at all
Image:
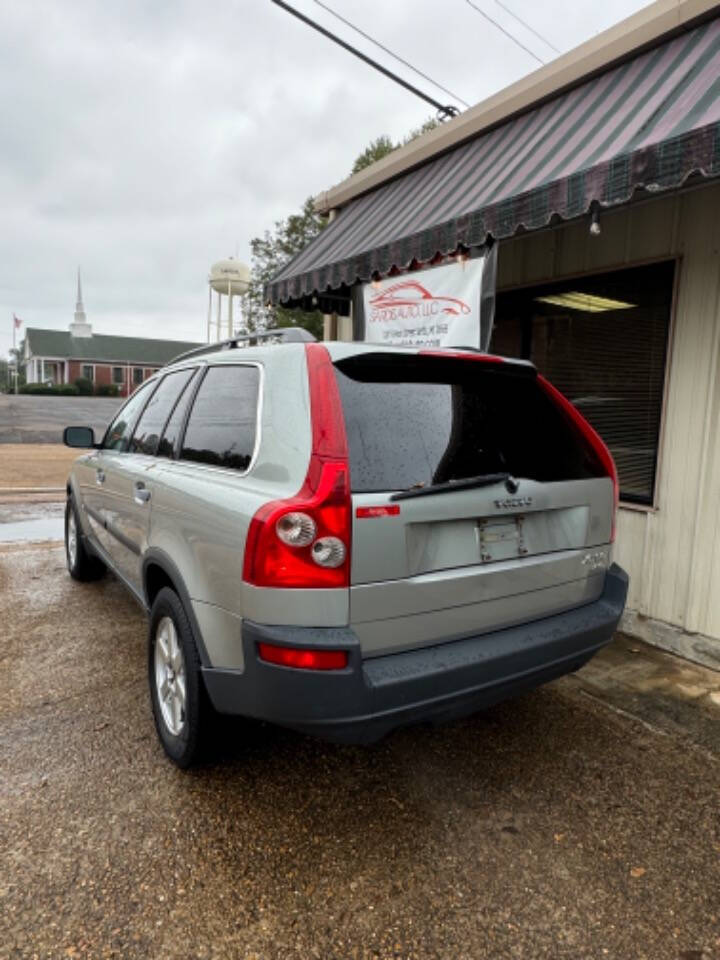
{"x":82,"y":565}
{"x":179,"y":702}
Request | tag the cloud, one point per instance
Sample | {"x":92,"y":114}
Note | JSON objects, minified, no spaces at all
{"x":145,"y":140}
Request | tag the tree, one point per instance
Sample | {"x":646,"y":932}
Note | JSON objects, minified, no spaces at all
{"x":17,"y":362}
{"x":376,"y":151}
{"x":269,"y":253}
{"x":288,"y":237}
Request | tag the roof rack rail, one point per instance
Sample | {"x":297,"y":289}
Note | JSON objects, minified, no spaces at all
{"x":279,"y":335}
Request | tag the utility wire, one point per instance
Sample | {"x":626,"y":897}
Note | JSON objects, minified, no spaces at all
{"x":390,"y":53}
{"x":502,"y":30}
{"x":527,"y":26}
{"x":444,"y":110}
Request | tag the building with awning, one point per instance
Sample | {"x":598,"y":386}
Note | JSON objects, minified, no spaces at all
{"x":597,"y":178}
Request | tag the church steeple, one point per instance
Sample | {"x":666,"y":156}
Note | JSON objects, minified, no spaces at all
{"x":80,"y":326}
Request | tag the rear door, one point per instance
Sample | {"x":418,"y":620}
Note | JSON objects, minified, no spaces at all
{"x":131,"y":477}
{"x":476,"y":503}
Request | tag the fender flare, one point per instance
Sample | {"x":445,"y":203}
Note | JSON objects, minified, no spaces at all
{"x":159,"y":558}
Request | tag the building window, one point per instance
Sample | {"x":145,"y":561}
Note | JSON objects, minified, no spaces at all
{"x":602,"y":340}
{"x":118,"y":375}
{"x":137,"y":375}
{"x":88,"y":371}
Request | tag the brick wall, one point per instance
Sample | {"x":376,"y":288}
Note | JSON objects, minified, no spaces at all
{"x":103,"y":374}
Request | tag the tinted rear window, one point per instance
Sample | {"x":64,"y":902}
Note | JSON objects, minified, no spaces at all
{"x":422,"y":420}
{"x":222,"y":425}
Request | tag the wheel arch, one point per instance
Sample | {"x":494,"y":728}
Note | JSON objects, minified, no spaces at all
{"x":159,"y":571}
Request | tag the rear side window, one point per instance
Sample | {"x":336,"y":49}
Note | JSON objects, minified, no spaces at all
{"x":151,"y":423}
{"x":415,"y":421}
{"x":221,"y":429}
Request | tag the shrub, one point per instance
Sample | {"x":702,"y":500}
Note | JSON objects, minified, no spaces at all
{"x":57,"y":390}
{"x":84,"y":386}
{"x":106,"y":390}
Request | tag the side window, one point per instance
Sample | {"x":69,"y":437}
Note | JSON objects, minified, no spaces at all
{"x":137,"y":376}
{"x":118,"y":375}
{"x":150,"y":425}
{"x":169,"y":439}
{"x":119,"y":431}
{"x":222,"y":425}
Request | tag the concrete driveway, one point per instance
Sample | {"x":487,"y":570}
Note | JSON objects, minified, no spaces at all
{"x":30,"y":419}
{"x":553,"y":826}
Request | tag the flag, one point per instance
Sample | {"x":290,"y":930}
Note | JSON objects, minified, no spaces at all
{"x":17,"y":321}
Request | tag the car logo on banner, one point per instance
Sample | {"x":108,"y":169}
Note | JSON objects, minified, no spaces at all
{"x":437,"y":307}
{"x":412,"y":299}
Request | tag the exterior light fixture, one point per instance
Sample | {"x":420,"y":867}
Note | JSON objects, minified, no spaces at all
{"x":595,"y":228}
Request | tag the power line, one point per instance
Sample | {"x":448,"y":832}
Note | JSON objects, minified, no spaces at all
{"x":527,"y":26}
{"x":444,"y":110}
{"x":503,"y":30}
{"x":390,"y":53}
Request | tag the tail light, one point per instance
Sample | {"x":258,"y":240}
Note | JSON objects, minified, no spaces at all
{"x":304,"y":541}
{"x":591,"y":438}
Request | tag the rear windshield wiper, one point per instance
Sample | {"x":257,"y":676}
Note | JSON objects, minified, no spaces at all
{"x":467,"y":483}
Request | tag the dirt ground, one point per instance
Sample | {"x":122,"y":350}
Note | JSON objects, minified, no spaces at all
{"x":553,"y":826}
{"x":35,"y":464}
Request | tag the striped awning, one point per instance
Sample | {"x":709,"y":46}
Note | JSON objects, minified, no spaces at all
{"x":649,"y":123}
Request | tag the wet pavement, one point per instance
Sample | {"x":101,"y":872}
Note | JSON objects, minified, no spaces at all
{"x":32,"y":419}
{"x":30,"y":522}
{"x":565,"y":824}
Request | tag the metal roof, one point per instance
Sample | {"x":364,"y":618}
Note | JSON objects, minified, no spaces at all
{"x":104,"y":348}
{"x":648,"y":123}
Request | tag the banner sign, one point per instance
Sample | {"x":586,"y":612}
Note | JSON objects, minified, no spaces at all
{"x":438,"y":307}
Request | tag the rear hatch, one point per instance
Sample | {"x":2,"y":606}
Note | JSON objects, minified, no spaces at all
{"x":477,"y":502}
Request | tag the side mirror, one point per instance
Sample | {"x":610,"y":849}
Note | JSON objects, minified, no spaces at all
{"x":82,"y":437}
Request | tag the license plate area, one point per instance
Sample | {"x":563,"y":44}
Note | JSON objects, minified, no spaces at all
{"x":500,"y":538}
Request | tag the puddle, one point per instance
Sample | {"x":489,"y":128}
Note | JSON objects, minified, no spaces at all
{"x":29,"y":522}
{"x":27,"y":531}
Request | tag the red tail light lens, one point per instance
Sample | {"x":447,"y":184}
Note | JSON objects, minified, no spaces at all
{"x":591,"y":437}
{"x":303,"y":659}
{"x":271,"y":560}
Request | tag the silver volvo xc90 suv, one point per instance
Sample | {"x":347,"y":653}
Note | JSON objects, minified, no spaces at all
{"x":344,"y":538}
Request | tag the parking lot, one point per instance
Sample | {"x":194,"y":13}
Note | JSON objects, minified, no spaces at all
{"x":553,"y":826}
{"x":33,"y":419}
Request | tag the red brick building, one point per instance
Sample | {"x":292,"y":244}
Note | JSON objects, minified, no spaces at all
{"x":63,"y":356}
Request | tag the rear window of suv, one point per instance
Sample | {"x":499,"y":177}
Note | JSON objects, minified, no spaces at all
{"x":418,"y":420}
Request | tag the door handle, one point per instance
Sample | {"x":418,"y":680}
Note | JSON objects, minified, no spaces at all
{"x":99,"y":476}
{"x":141,"y":493}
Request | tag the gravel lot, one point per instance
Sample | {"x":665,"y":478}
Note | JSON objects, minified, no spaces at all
{"x":551,"y":826}
{"x":29,"y":419}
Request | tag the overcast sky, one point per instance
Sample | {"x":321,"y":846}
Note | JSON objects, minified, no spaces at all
{"x":145,"y":140}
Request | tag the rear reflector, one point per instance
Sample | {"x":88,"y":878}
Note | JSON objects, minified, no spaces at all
{"x":303,"y":659}
{"x":390,"y":511}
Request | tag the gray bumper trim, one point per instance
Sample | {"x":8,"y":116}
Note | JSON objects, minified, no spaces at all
{"x":452,"y":679}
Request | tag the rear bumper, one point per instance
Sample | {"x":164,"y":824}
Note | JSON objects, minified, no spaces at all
{"x":371,"y":697}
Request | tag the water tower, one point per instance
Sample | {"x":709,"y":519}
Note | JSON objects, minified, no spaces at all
{"x":228,"y":278}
